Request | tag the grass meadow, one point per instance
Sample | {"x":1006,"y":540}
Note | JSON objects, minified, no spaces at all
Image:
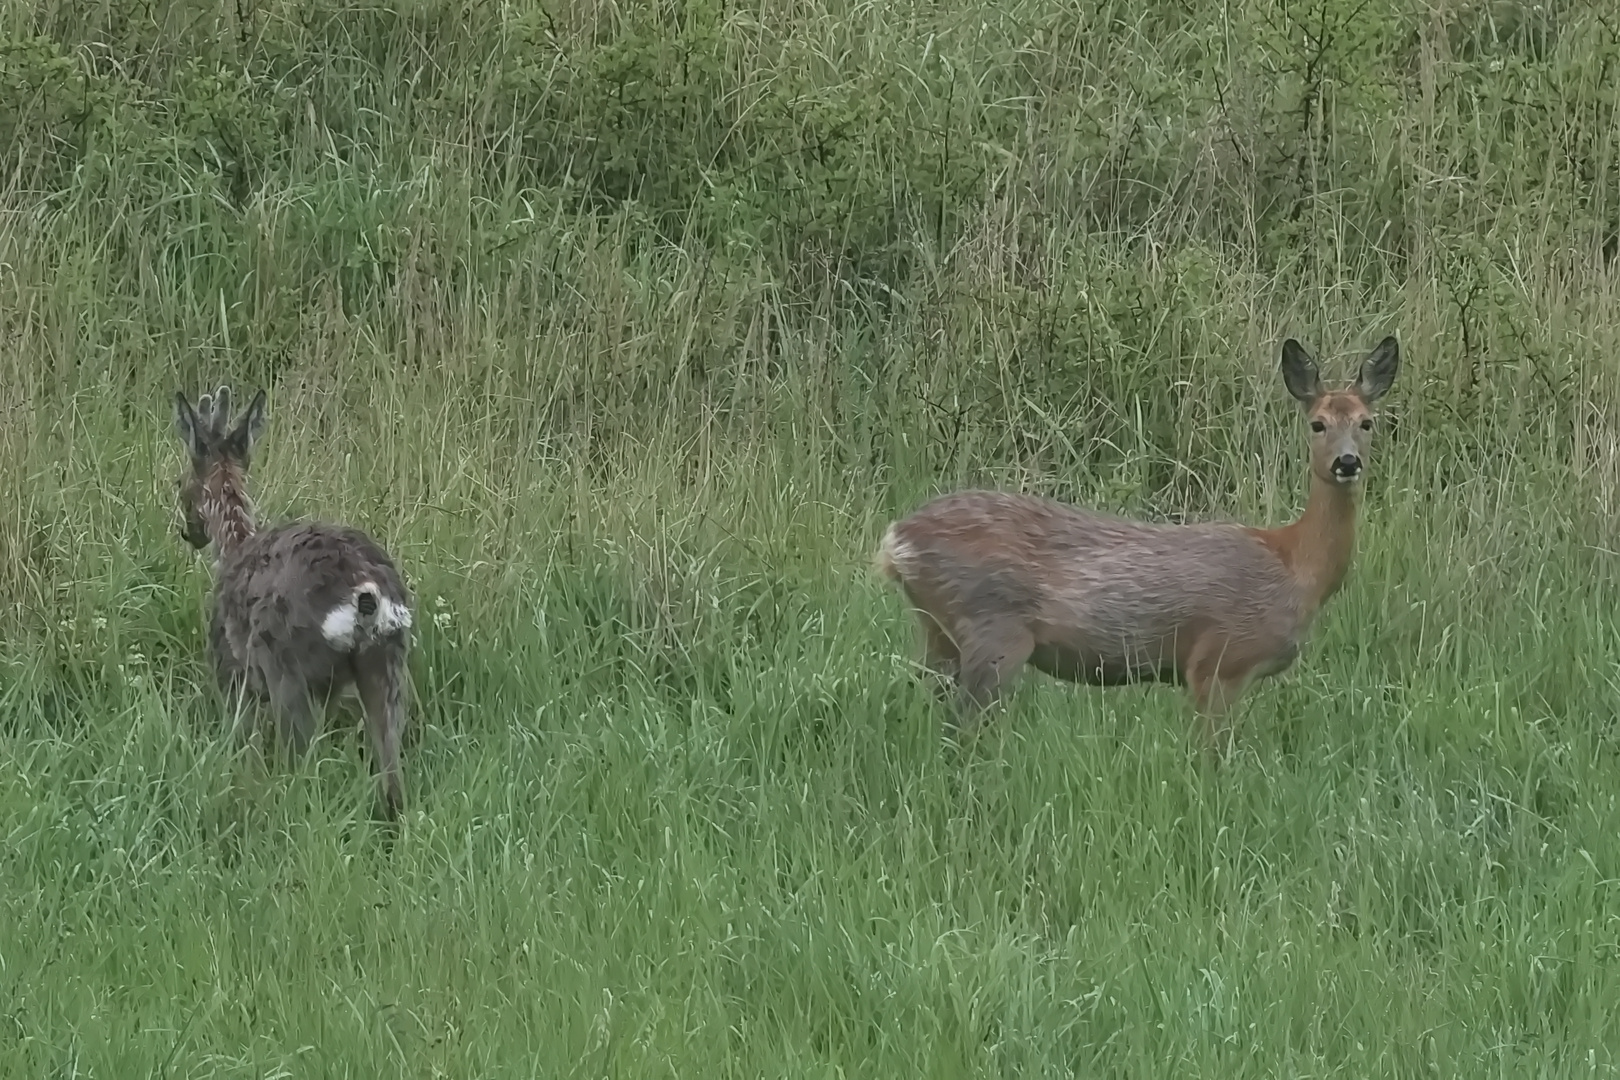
{"x":628,"y":327}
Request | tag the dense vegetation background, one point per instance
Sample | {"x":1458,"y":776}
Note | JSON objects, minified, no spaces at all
{"x":628,"y":326}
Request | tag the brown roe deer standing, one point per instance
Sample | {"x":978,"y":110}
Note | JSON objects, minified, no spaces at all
{"x":998,"y":580}
{"x":302,"y":613}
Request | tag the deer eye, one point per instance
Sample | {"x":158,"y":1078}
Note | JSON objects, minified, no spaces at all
{"x":1318,"y":426}
{"x":1366,"y":425}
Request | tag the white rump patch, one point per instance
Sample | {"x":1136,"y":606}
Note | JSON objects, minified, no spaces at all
{"x":894,"y":553}
{"x":338,"y":626}
{"x":391,"y":617}
{"x":345,"y":624}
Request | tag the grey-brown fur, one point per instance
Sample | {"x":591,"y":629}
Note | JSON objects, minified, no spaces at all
{"x":999,"y":580}
{"x":1104,"y":599}
{"x":302,"y":613}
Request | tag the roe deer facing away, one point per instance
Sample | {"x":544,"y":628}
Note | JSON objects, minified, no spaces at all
{"x":302,"y":613}
{"x":998,"y":580}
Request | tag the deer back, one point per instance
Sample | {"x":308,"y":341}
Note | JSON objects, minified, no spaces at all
{"x":277,"y":592}
{"x":1103,"y":587}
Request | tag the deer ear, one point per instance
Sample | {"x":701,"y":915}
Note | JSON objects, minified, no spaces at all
{"x":186,"y":424}
{"x":251,"y":426}
{"x":1379,"y":371}
{"x":1299,"y":373}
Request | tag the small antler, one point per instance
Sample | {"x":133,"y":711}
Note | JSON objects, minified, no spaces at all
{"x":207,"y":428}
{"x":215,"y":411}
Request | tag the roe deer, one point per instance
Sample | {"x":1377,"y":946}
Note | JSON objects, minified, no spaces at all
{"x":998,"y":580}
{"x":302,"y":613}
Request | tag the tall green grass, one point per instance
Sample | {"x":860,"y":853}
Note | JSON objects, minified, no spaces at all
{"x":628,"y":328}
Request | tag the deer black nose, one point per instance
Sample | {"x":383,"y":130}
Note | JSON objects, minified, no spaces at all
{"x":1346,"y":465}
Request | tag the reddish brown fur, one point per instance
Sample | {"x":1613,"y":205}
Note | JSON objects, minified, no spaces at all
{"x":1318,"y":547}
{"x":998,"y":580}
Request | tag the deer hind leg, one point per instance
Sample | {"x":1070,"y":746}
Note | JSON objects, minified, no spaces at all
{"x":993,"y":652}
{"x":295,"y":711}
{"x":246,"y":705}
{"x":240,"y":684}
{"x":940,"y":655}
{"x":381,"y":678}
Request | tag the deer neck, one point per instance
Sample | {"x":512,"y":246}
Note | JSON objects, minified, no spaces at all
{"x":226,"y":510}
{"x":1318,"y":547}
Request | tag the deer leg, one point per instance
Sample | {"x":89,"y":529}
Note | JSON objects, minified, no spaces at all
{"x":242,"y":690}
{"x":246,"y":711}
{"x":381,"y":678}
{"x":1214,"y":704}
{"x":992,"y":654}
{"x":295,"y":713}
{"x":1214,"y":691}
{"x":940,"y":654}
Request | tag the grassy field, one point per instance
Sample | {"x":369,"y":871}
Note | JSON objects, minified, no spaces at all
{"x":628,"y":329}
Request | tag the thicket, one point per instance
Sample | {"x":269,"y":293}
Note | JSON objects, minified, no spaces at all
{"x":1044,"y":201}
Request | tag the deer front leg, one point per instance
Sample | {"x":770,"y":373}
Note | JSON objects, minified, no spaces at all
{"x":1214,"y":689}
{"x":1214,"y":701}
